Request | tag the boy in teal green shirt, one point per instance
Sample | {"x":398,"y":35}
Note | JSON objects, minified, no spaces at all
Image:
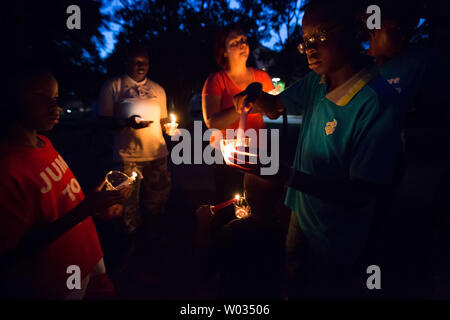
{"x":346,"y":154}
{"x":419,"y":75}
{"x":351,"y":132}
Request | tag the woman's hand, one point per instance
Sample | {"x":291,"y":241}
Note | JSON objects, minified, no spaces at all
{"x":248,"y":162}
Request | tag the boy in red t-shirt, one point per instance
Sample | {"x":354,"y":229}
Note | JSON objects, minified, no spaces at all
{"x":46,"y":230}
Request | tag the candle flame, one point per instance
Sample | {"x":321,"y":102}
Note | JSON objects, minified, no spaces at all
{"x":237,"y":197}
{"x":230,"y":148}
{"x":134,"y":175}
{"x":173,"y":119}
{"x":227,"y":151}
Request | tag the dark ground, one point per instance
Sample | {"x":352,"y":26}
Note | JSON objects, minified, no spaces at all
{"x":414,"y":241}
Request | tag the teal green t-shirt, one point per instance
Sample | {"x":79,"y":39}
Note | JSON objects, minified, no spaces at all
{"x":418,"y":74}
{"x":360,"y":139}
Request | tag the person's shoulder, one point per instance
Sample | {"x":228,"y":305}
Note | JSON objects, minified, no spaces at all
{"x":215,"y":83}
{"x":47,"y":141}
{"x":112,"y":83}
{"x":10,"y":159}
{"x":260,"y":73}
{"x":311,"y":79}
{"x":216,"y":76}
{"x":379,"y":87}
{"x":114,"y":80}
{"x":379,"y":94}
{"x":155,"y":86}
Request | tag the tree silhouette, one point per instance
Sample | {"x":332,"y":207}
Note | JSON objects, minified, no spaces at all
{"x":41,"y":37}
{"x":180,"y":39}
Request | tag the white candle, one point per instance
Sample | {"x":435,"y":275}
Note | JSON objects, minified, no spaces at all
{"x":242,"y":125}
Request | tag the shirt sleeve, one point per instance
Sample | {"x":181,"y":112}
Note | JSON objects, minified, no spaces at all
{"x":15,"y":216}
{"x":162,"y":102}
{"x":212,"y":86}
{"x":295,"y":97}
{"x":106,"y":100}
{"x":377,"y":143}
{"x":264,"y":78}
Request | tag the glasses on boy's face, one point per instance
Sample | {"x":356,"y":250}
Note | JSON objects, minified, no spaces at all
{"x":237,"y":43}
{"x":313,"y":40}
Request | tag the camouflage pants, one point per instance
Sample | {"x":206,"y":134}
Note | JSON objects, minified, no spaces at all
{"x":149,"y":194}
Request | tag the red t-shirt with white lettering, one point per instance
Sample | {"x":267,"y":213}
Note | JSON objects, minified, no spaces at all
{"x":220,"y":84}
{"x":37,"y":187}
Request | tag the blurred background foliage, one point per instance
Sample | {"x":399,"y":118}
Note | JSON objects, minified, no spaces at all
{"x":178,"y":34}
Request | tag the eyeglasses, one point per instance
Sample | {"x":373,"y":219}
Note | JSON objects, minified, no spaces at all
{"x":238,"y":43}
{"x":314,"y":39}
{"x":311,"y":42}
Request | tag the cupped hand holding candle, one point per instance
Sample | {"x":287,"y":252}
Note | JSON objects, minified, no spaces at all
{"x":236,"y":148}
{"x":117,"y":180}
{"x":172,"y":126}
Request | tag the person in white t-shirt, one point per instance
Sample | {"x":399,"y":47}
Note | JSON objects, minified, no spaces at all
{"x":134,"y":108}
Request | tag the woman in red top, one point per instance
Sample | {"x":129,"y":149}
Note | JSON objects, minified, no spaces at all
{"x":231,"y":51}
{"x":46,"y":228}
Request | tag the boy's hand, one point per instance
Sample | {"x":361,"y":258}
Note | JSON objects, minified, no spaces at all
{"x":245,"y":100}
{"x":251,"y":164}
{"x":100,"y":201}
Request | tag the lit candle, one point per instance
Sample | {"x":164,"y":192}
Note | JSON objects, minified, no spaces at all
{"x":241,"y":208}
{"x":218,"y":207}
{"x":242,"y":125}
{"x":230,"y":147}
{"x":127,"y":182}
{"x":171,"y":126}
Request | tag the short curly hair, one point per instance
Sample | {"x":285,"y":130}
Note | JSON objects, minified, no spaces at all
{"x":221,"y":45}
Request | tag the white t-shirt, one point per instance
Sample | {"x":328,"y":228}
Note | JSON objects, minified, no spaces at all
{"x":122,"y":97}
